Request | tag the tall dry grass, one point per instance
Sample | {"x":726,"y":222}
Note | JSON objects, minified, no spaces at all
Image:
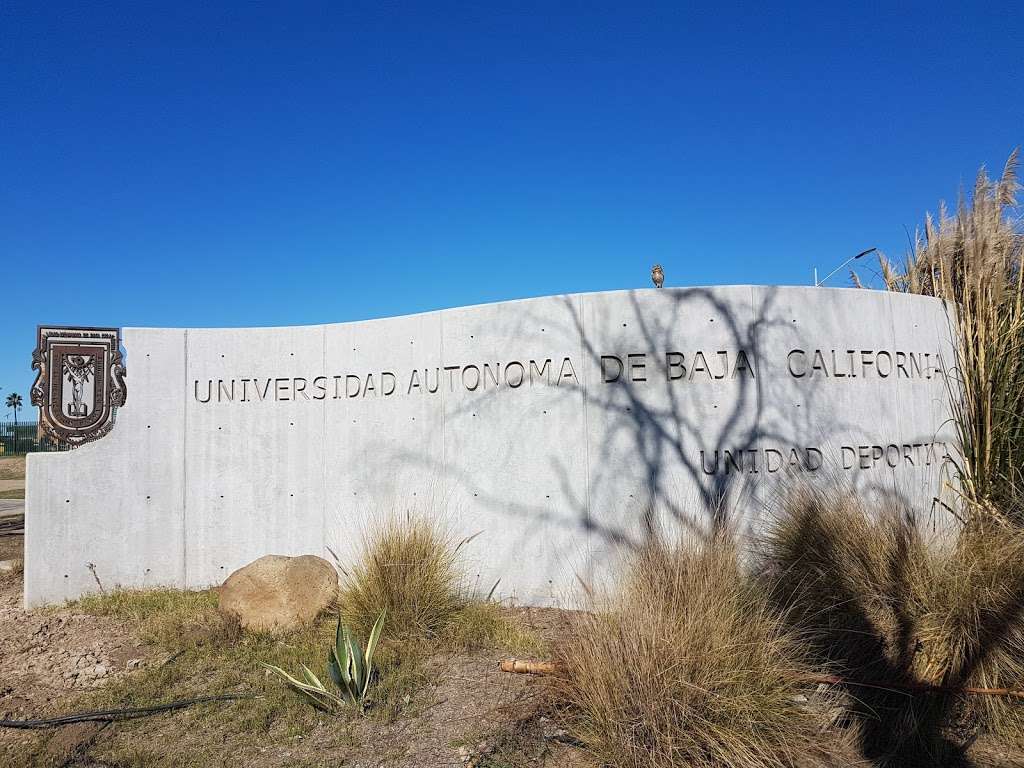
{"x":687,"y":665}
{"x":880,"y":604}
{"x":972,"y":257}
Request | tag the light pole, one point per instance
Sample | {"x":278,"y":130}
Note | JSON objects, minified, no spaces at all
{"x":818,"y":283}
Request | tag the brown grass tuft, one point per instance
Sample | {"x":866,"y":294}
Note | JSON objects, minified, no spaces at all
{"x":686,"y":665}
{"x":409,"y":568}
{"x":878,"y":603}
{"x":842,"y":575}
{"x":971,"y":628}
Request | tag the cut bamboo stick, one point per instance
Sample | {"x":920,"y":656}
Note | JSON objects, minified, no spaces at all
{"x":524,"y":667}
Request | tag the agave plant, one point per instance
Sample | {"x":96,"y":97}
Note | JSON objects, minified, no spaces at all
{"x":350,"y":668}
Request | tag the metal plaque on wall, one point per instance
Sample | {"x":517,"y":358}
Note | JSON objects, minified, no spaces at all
{"x":80,"y":384}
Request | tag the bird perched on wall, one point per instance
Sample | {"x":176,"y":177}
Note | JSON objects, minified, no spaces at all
{"x":658,"y":276}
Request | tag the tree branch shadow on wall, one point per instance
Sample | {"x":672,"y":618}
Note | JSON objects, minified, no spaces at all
{"x":654,"y":425}
{"x":862,"y":618}
{"x":646,"y":467}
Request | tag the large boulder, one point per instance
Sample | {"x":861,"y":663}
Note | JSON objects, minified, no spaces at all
{"x":277,"y":593}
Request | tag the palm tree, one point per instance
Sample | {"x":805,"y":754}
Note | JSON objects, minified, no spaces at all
{"x":14,"y":401}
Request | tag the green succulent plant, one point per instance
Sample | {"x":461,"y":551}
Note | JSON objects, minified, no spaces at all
{"x":349,"y":666}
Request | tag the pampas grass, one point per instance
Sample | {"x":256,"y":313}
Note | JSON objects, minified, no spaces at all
{"x":972,"y":258}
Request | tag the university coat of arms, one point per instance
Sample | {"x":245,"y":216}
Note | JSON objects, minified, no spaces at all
{"x":80,"y":384}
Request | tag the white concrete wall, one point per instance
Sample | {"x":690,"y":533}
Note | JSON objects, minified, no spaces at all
{"x":553,"y":474}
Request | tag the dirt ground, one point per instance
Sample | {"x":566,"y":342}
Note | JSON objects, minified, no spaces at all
{"x":49,"y":658}
{"x":12,"y":468}
{"x":475,"y":715}
{"x":12,"y":477}
{"x":470,"y":715}
{"x":11,"y":547}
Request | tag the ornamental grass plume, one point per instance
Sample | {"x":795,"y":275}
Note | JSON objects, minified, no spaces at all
{"x":972,"y":257}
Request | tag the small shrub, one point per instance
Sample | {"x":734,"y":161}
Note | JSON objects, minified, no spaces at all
{"x":350,"y":668}
{"x":686,"y":666}
{"x":408,"y":569}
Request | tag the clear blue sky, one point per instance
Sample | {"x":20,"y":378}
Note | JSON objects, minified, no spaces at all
{"x":203,"y":164}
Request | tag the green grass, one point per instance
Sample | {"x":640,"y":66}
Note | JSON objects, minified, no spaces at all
{"x":486,"y":625}
{"x":409,"y":569}
{"x":202,"y":652}
{"x":211,"y":653}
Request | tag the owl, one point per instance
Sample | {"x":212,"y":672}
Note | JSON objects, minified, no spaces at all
{"x":658,"y":276}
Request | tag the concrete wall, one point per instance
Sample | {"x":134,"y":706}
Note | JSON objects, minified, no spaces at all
{"x":309,"y":433}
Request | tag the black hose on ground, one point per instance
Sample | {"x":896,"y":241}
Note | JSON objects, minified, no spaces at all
{"x":110,"y":715}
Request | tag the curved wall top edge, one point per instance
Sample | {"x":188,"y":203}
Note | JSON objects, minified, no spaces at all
{"x":911,"y":297}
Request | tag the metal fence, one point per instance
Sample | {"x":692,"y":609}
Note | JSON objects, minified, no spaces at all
{"x":26,"y":438}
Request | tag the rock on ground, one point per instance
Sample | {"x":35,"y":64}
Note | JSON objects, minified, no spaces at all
{"x":279,"y":593}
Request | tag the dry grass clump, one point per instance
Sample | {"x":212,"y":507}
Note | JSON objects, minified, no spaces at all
{"x":973,"y":258}
{"x":199,"y":652}
{"x":409,"y":569}
{"x":687,"y":665}
{"x":486,"y":624}
{"x":842,"y":575}
{"x":879,"y":604}
{"x":171,"y":618}
{"x":971,"y":628}
{"x":12,"y":468}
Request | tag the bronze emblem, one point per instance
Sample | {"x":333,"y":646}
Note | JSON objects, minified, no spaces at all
{"x":80,"y":384}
